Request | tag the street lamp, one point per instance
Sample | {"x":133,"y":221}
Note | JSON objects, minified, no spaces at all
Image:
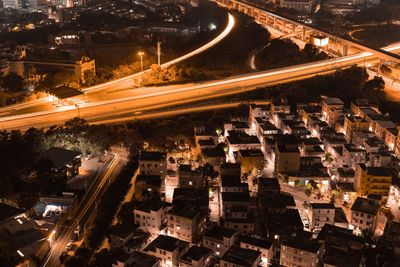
{"x":141,"y":54}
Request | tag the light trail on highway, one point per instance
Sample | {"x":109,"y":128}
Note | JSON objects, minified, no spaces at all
{"x":216,"y":40}
{"x":170,"y":95}
{"x":65,"y":235}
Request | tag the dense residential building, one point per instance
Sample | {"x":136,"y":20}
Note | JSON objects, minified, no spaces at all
{"x":136,"y":258}
{"x":219,"y":239}
{"x":320,"y":214}
{"x":168,"y":249}
{"x":266,"y":247}
{"x":153,"y":163}
{"x":196,"y":257}
{"x":240,"y":257}
{"x":151,"y":215}
{"x":251,"y":160}
{"x":287,"y":156}
{"x":331,"y":110}
{"x":120,"y":234}
{"x":189,"y":178}
{"x":187,"y":222}
{"x":304,"y":6}
{"x":300,"y":251}
{"x":372,"y":180}
{"x":364,"y":214}
{"x":232,"y":183}
{"x":352,"y":124}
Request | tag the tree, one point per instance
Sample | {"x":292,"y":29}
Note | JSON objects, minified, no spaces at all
{"x":102,"y":259}
{"x":75,"y":261}
{"x":374,"y":89}
{"x":125,"y":214}
{"x":13,"y":82}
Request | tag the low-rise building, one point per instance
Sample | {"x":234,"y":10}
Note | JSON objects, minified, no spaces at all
{"x":241,"y":141}
{"x":189,"y":178}
{"x":251,"y":160}
{"x":331,"y":109}
{"x":353,"y":156}
{"x":264,"y":246}
{"x":372,"y":180}
{"x":187,"y":222}
{"x":167,"y":249}
{"x":240,"y":257}
{"x":364,"y":214}
{"x":320,"y":214}
{"x":232,"y":183}
{"x":151,"y":215}
{"x":148,"y":187}
{"x":120,"y":234}
{"x":300,"y":251}
{"x":153,"y":163}
{"x":196,"y":257}
{"x":136,"y":259}
{"x":219,"y":239}
{"x":268,"y":186}
{"x":287,"y":157}
{"x":352,"y":124}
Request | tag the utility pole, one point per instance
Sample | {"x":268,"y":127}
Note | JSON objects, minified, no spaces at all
{"x":141,"y":60}
{"x":159,"y":53}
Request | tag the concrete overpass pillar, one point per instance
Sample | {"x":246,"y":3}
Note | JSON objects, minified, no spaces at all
{"x":381,"y":62}
{"x":345,"y":50}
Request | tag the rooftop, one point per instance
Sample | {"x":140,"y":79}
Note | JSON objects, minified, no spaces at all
{"x":7,"y":211}
{"x":365,"y":205}
{"x":138,"y":238}
{"x":339,"y":258}
{"x":230,"y":181}
{"x":60,"y":156}
{"x":154,"y":180}
{"x":195,"y":253}
{"x":299,"y":241}
{"x":340,"y":216}
{"x":150,"y":205}
{"x":375,"y":171}
{"x":167,"y":243}
{"x":122,"y":230}
{"x":262,"y":243}
{"x":219,"y":232}
{"x":339,"y":233}
{"x":152,"y":156}
{"x":140,"y":259}
{"x":191,"y":195}
{"x":332,"y":101}
{"x":206,"y":142}
{"x":213,"y":152}
{"x":242,"y":138}
{"x":186,"y":211}
{"x":322,"y":206}
{"x":241,"y":256}
{"x":235,"y":197}
{"x":251,"y":153}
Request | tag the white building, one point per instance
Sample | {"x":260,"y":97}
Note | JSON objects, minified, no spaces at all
{"x":363,"y":214}
{"x":219,"y":239}
{"x":153,"y":163}
{"x":304,"y":6}
{"x":264,"y":246}
{"x":320,"y":214}
{"x":151,"y":215}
